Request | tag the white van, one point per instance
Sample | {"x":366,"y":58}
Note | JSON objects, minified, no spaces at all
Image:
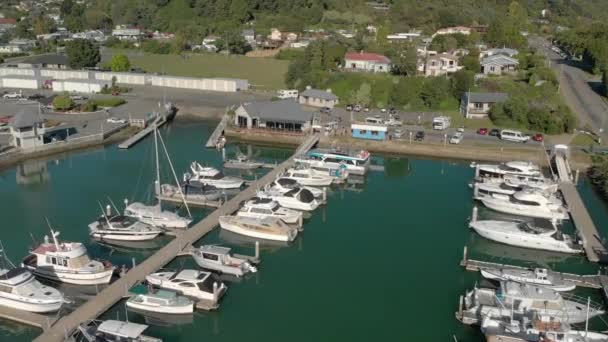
{"x":376,"y":121}
{"x":516,"y":136}
{"x":441,"y":122}
{"x":287,"y":94}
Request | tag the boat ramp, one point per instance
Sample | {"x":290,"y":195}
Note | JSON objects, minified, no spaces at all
{"x":161,"y":120}
{"x":587,"y":231}
{"x":117,"y":290}
{"x":217,"y":133}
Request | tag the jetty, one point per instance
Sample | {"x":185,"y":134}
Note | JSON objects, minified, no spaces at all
{"x":158,"y":122}
{"x":29,"y":318}
{"x":587,"y":231}
{"x":217,"y":133}
{"x":117,"y":290}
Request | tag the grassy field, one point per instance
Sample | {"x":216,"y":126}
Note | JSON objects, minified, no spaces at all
{"x":583,"y":139}
{"x":262,"y":73}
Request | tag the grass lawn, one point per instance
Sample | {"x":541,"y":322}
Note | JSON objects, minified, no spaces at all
{"x":582,"y":139}
{"x":262,"y":73}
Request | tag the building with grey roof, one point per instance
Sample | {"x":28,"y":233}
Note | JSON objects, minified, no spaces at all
{"x":49,"y":61}
{"x":475,"y":105}
{"x":27,"y":128}
{"x":281,"y":115}
{"x":498,"y":64}
{"x":318,"y":98}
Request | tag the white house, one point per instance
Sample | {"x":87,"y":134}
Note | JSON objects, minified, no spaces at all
{"x":498,"y":51}
{"x":123,"y":32}
{"x":365,"y":61}
{"x":93,"y":35}
{"x":403,"y":36}
{"x":478,"y":105}
{"x":453,"y":30}
{"x":498,"y":64}
{"x":318,"y":98}
{"x":441,"y":64}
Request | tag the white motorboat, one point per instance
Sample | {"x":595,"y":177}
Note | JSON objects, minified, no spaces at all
{"x":539,"y":235}
{"x":282,"y":185}
{"x":265,"y":207}
{"x":527,"y":202}
{"x":122,"y":228}
{"x":518,"y":300}
{"x":268,"y":228}
{"x":538,"y":183}
{"x":192,"y":190}
{"x":217,"y":258}
{"x":112,"y":330}
{"x":308,"y":177}
{"x":334,"y":159}
{"x":192,"y":283}
{"x":20,"y":290}
{"x":154,"y":214}
{"x":496,"y":188}
{"x":212,"y":176}
{"x":67,"y":262}
{"x":297,"y":198}
{"x":541,"y":327}
{"x":541,"y":277}
{"x":242,"y":162}
{"x":518,"y":168}
{"x":161,"y":301}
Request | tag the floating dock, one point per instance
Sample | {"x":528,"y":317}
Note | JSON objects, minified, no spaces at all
{"x":117,"y":290}
{"x":191,"y":202}
{"x":29,"y":318}
{"x":143,"y":133}
{"x":217,"y":133}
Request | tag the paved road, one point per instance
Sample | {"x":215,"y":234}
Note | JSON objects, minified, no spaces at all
{"x":578,"y":94}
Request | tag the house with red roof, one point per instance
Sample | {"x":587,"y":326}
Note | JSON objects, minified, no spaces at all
{"x":7,"y":24}
{"x":366,"y":62}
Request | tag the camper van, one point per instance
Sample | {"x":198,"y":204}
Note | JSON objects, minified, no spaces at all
{"x":376,"y":121}
{"x":287,"y":94}
{"x":516,"y":136}
{"x":441,"y":122}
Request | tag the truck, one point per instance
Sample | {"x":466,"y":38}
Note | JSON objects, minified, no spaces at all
{"x":441,"y":122}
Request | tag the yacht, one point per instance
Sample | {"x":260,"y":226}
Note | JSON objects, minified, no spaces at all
{"x":161,"y":301}
{"x":242,"y":162}
{"x":266,"y":207}
{"x":527,"y":202}
{"x":67,"y":262}
{"x":536,"y":235}
{"x":539,"y":183}
{"x":154,"y":214}
{"x":510,"y":184}
{"x":192,"y":191}
{"x":217,"y":258}
{"x":308,"y":177}
{"x":211,"y":176}
{"x":192,"y":283}
{"x":268,"y":228}
{"x":282,"y":185}
{"x":518,"y":168}
{"x":324,"y":159}
{"x":540,"y":327}
{"x":297,"y":198}
{"x":538,"y":276}
{"x":20,"y":290}
{"x":122,"y":228}
{"x":112,"y":330}
{"x":517,"y":300}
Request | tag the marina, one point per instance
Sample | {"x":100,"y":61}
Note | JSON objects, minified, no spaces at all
{"x":324,"y":230}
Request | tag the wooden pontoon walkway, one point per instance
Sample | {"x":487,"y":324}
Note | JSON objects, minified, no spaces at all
{"x":142,"y":134}
{"x":217,"y":133}
{"x":29,"y":318}
{"x":117,"y":290}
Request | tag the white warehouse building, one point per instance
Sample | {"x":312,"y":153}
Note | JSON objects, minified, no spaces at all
{"x":80,"y":86}
{"x":22,"y":81}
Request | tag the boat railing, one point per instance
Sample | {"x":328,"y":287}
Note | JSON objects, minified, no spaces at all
{"x":582,"y":300}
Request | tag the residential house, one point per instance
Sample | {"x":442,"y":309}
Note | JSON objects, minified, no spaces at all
{"x":249,"y":36}
{"x":346,"y":34}
{"x":366,"y":61}
{"x":498,"y":51}
{"x":123,"y":32}
{"x":280,"y":115}
{"x":368,"y":131}
{"x":275,"y":34}
{"x":478,"y":105}
{"x":27,"y":129}
{"x":92,"y":35}
{"x":453,"y":30}
{"x":403,"y":36}
{"x":209,"y":43}
{"x":289,"y":36}
{"x":460,"y":52}
{"x":24,"y":44}
{"x":441,"y":64}
{"x":7,"y":24}
{"x":157,"y":35}
{"x":318,"y":98}
{"x":10,"y":48}
{"x":498,"y":64}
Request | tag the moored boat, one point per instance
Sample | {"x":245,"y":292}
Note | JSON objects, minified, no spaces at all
{"x":308,"y":177}
{"x":266,"y":207}
{"x":217,"y":258}
{"x":212,"y":176}
{"x":122,"y":228}
{"x":266,"y":228}
{"x":192,"y":283}
{"x":518,"y":168}
{"x":528,"y":202}
{"x":538,"y":276}
{"x":356,"y":163}
{"x":161,"y":301}
{"x":111,"y":330}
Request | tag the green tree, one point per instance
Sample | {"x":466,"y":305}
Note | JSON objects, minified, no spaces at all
{"x":120,"y":63}
{"x":239,"y":10}
{"x":434,"y":90}
{"x":43,"y":24}
{"x":63,"y":102}
{"x":443,"y":43}
{"x":362,"y":95}
{"x":605,"y":81}
{"x":471,"y":61}
{"x":462,"y":81}
{"x":82,"y":53}
{"x":404,"y":59}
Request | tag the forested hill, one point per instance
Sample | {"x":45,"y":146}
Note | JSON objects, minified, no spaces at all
{"x":197,"y":18}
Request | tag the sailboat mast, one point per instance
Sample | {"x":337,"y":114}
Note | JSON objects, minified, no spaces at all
{"x":587,"y":317}
{"x":162,"y":142}
{"x":157,"y":185}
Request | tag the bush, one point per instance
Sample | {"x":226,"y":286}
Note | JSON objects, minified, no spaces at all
{"x":153,"y":46}
{"x":90,"y":106}
{"x":111,"y":102}
{"x":289,"y":54}
{"x":63,"y":103}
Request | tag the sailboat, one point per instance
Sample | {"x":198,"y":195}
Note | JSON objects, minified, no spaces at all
{"x":154,"y":214}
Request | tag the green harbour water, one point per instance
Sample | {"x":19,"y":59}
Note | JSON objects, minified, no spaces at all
{"x":379,"y":262}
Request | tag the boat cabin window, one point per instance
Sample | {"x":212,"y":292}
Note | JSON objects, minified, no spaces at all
{"x":219,"y":175}
{"x":186,"y":285}
{"x":527,"y":228}
{"x":300,"y":175}
{"x":209,"y":256}
{"x":515,"y":200}
{"x":4,"y":288}
{"x":176,"y":280}
{"x":260,"y":211}
{"x":275,"y":208}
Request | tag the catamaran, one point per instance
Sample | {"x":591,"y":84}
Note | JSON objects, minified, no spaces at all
{"x":355,"y":163}
{"x":154,"y":214}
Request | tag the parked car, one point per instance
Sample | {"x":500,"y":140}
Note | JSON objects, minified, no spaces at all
{"x":357,"y":108}
{"x":116,"y":120}
{"x":482,"y":131}
{"x":383,"y":110}
{"x":76,"y":97}
{"x":399,"y":133}
{"x":460,"y":129}
{"x":35,"y":97}
{"x":516,"y":136}
{"x":456,"y":138}
{"x":349,"y":107}
{"x":366,"y":109}
{"x":419,"y":136}
{"x":538,"y":137}
{"x":495,"y":132}
{"x":325,"y":110}
{"x":12,"y":95}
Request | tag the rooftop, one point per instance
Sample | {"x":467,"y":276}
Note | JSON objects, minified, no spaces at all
{"x":499,"y":59}
{"x":485,"y":97}
{"x":319,"y":94}
{"x":46,"y":59}
{"x":367,"y":56}
{"x":282,"y":110}
{"x":27,"y":117}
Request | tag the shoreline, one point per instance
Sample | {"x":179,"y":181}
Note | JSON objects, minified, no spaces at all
{"x":578,"y":160}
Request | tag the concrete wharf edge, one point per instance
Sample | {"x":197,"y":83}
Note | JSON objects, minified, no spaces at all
{"x":117,"y":290}
{"x":142,"y":134}
{"x":30,"y":318}
{"x":587,"y":231}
